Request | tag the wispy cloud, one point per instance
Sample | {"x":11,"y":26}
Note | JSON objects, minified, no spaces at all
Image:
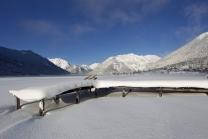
{"x":194,"y":14}
{"x":43,"y":27}
{"x":111,"y":12}
{"x":80,"y":29}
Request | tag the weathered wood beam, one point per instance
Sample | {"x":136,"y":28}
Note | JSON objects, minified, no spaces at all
{"x":17,"y":103}
{"x":198,"y":90}
{"x":41,"y":107}
{"x":77,"y":97}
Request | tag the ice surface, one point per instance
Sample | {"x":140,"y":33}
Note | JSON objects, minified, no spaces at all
{"x":105,"y":117}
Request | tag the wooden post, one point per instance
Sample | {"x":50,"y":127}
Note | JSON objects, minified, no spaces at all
{"x":77,"y":96}
{"x":96,"y":92}
{"x":130,"y":90}
{"x":160,"y":92}
{"x":41,"y":107}
{"x":123,"y":92}
{"x":57,"y":98}
{"x":17,"y":103}
{"x":106,"y":91}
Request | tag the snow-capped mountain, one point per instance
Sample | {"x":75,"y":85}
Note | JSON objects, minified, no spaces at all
{"x":60,"y":63}
{"x":124,"y":64}
{"x":194,"y":53}
{"x":93,"y":66}
{"x":83,"y":69}
{"x":22,"y":62}
{"x":87,"y":68}
{"x":80,"y":69}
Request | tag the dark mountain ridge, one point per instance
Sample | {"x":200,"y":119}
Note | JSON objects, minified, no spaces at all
{"x":25,"y":62}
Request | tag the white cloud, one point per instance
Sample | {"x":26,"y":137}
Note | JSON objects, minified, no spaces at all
{"x":79,"y":29}
{"x":194,"y":14}
{"x":111,"y":12}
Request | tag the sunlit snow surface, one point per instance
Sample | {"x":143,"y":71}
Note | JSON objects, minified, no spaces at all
{"x":105,"y":117}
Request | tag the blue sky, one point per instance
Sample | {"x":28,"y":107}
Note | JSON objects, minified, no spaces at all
{"x":89,"y":31}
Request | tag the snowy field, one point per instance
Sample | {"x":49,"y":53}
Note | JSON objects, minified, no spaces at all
{"x":138,"y":115}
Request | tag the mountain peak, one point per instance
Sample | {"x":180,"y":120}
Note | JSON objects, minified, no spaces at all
{"x":203,"y":35}
{"x":59,"y":62}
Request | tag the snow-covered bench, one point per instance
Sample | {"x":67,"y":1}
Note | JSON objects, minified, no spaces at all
{"x":179,"y":85}
{"x":40,"y":93}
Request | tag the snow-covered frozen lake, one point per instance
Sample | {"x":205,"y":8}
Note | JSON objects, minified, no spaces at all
{"x":138,"y":115}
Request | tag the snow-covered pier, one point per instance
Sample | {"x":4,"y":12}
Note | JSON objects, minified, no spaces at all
{"x":159,"y":83}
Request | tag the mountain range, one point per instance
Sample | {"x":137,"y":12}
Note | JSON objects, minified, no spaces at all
{"x":127,"y":63}
{"x":83,"y":69}
{"x":25,"y":62}
{"x":194,"y":54}
{"x":22,"y":63}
